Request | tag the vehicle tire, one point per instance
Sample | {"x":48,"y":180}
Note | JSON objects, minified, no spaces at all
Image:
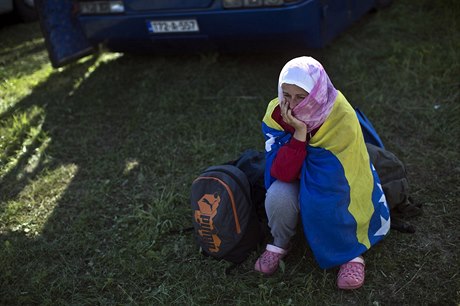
{"x":25,"y":10}
{"x":380,"y":4}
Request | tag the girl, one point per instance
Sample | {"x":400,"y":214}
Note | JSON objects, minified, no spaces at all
{"x":317,"y":166}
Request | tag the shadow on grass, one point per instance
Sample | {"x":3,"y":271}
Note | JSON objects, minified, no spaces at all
{"x":117,"y":147}
{"x":86,"y":131}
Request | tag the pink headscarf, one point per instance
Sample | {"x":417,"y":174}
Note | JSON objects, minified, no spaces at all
{"x":309,"y":74}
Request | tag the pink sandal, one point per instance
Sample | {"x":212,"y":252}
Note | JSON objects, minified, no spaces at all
{"x":269,"y":261}
{"x":351,"y":274}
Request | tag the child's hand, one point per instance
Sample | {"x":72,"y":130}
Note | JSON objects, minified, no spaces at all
{"x":299,"y":126}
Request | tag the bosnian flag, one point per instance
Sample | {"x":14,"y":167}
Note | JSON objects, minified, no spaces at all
{"x":342,"y":204}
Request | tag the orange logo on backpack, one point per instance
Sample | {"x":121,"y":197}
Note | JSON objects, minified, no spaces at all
{"x":208,"y":205}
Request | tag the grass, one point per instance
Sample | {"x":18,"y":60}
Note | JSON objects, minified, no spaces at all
{"x":97,"y":158}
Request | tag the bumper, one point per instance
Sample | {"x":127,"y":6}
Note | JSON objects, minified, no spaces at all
{"x":299,"y":25}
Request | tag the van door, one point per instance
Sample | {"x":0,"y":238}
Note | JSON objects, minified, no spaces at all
{"x":64,"y":38}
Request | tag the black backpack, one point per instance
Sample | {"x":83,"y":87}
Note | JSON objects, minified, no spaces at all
{"x":395,"y":184}
{"x":393,"y":177}
{"x":227,"y":202}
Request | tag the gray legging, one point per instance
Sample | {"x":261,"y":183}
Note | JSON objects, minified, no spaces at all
{"x":282,"y":207}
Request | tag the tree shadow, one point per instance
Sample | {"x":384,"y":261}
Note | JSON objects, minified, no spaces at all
{"x":110,"y":166}
{"x":85,"y":120}
{"x":44,"y":97}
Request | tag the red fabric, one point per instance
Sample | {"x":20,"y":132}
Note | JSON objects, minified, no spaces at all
{"x":289,"y":159}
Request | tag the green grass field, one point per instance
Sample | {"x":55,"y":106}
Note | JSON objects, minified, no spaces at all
{"x":97,"y":159}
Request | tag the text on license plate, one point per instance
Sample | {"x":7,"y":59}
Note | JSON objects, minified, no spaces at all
{"x":173,"y":26}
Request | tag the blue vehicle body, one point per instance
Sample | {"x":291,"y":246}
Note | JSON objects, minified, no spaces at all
{"x":24,"y":9}
{"x":300,"y":24}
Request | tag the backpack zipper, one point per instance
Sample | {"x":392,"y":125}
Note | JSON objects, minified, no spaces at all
{"x":236,"y":179}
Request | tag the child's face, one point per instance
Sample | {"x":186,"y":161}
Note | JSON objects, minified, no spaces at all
{"x":293,"y":94}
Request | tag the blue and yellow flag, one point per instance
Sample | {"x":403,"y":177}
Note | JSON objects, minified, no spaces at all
{"x":342,"y":204}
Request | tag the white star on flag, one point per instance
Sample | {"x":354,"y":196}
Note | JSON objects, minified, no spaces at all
{"x":270,"y":141}
{"x":382,"y":198}
{"x":384,"y":228}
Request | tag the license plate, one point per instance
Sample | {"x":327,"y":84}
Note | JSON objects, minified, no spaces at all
{"x":173,"y":26}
